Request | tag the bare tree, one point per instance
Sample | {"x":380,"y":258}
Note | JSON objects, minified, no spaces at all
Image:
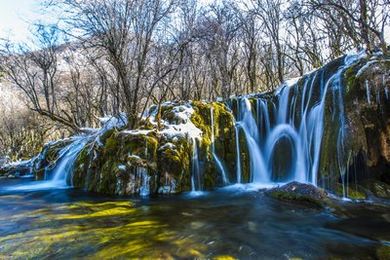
{"x":124,"y":31}
{"x":35,"y":71}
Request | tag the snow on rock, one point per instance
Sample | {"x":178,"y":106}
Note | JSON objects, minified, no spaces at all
{"x":122,"y":167}
{"x":133,"y":156}
{"x":179,"y":125}
{"x":137,"y":132}
{"x":110,"y":122}
{"x":167,"y":146}
{"x":292,"y":81}
{"x":369,"y":64}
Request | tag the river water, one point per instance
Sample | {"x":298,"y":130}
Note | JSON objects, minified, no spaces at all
{"x":70,"y":223}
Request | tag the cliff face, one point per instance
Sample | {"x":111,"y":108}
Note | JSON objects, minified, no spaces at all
{"x":330,"y":128}
{"x":363,"y":154}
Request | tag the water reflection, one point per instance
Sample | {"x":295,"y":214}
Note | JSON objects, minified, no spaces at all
{"x":222,"y":224}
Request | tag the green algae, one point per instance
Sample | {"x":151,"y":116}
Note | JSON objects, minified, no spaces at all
{"x":116,"y":229}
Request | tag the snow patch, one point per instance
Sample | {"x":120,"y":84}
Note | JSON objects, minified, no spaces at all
{"x":122,"y":167}
{"x":167,"y":146}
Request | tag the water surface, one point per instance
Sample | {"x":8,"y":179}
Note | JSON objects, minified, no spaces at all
{"x":69,"y":223}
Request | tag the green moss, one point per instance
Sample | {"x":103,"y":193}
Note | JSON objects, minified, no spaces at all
{"x":355,"y":193}
{"x":378,"y":188}
{"x":111,"y":144}
{"x":383,"y":252}
{"x":201,"y":118}
{"x":291,"y":196}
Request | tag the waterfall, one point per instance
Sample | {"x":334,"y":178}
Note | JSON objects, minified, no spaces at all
{"x":216,"y":158}
{"x":195,"y":169}
{"x":238,"y":159}
{"x":61,"y":175}
{"x":368,"y":94}
{"x":293,"y":126}
{"x":145,"y":181}
{"x":63,"y":169}
{"x":247,"y":123}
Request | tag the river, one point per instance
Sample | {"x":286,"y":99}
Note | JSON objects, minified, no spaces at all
{"x":71,"y":223}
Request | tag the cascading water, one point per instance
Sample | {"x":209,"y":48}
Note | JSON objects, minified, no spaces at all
{"x":145,"y":181}
{"x":61,"y":175}
{"x":247,"y":123}
{"x":238,"y":159}
{"x":218,"y":162}
{"x":368,"y":92}
{"x":295,"y":117}
{"x":195,"y":168}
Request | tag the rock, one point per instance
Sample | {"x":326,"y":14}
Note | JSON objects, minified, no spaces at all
{"x":366,"y":128}
{"x":378,"y":188}
{"x":355,"y":192}
{"x":126,"y":162}
{"x":299,"y":192}
{"x":16,"y":170}
{"x":157,"y":156}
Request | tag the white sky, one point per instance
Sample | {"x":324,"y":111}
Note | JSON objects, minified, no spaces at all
{"x":16,"y":17}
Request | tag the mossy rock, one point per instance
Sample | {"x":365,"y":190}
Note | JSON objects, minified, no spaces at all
{"x":378,"y":188}
{"x":383,"y":252}
{"x":366,"y":153}
{"x":355,"y":192}
{"x":48,"y":158}
{"x":299,"y":193}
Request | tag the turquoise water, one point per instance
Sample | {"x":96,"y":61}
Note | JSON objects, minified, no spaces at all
{"x":69,"y":223}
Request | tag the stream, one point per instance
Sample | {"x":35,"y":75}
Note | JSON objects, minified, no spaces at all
{"x":229,"y":222}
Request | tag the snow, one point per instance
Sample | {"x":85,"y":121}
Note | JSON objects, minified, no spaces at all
{"x":19,"y":163}
{"x":365,"y":67}
{"x":183,"y":128}
{"x":122,"y":167}
{"x":368,"y":64}
{"x":110,"y":122}
{"x":167,"y":146}
{"x":292,"y":81}
{"x":137,"y":132}
{"x":133,"y":156}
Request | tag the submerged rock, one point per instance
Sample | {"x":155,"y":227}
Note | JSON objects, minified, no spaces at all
{"x":300,"y":193}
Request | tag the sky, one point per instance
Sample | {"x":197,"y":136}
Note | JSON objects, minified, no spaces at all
{"x":16,"y":17}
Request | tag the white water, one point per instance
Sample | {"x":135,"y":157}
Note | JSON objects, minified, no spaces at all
{"x":195,"y":168}
{"x":368,"y":94}
{"x":60,"y":175}
{"x":218,"y":162}
{"x":300,"y":123}
{"x":145,"y":181}
{"x":238,"y":158}
{"x":258,"y":170}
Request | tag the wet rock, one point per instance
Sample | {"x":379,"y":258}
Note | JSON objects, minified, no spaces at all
{"x":377,"y":188}
{"x":365,"y":152}
{"x":299,"y":192}
{"x":16,"y":170}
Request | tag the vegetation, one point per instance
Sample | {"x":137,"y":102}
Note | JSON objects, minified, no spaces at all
{"x":107,"y":56}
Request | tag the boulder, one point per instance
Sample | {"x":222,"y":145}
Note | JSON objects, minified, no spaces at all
{"x":300,"y":193}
